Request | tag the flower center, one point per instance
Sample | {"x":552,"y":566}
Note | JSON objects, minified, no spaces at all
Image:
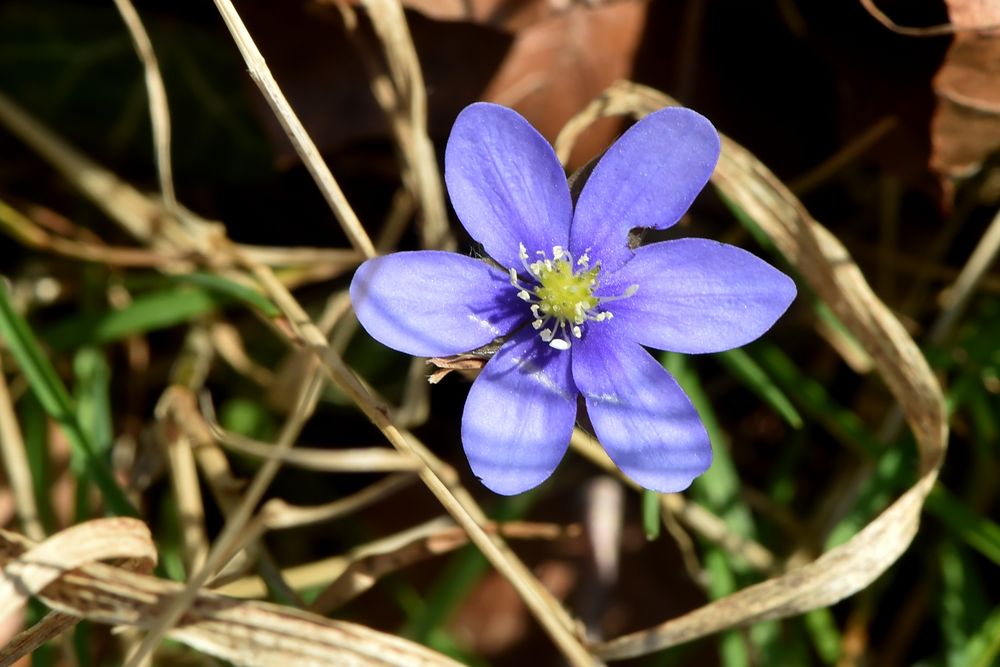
{"x":562,"y":296}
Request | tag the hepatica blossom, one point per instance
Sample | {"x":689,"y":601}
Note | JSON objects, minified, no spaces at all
{"x":572,"y":302}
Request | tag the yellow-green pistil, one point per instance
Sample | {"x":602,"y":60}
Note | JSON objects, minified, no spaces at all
{"x":562,"y":297}
{"x":564,"y":294}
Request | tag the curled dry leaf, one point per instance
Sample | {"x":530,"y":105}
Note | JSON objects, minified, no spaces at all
{"x":27,"y":572}
{"x":457,"y":362}
{"x":828,"y":268}
{"x":965,"y":129}
{"x":30,"y":568}
{"x":63,"y":573}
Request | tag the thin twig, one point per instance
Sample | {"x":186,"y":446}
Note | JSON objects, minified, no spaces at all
{"x":15,"y":462}
{"x":956,"y":297}
{"x":280,"y":515}
{"x":409,"y":120}
{"x":857,"y":147}
{"x":367,"y":459}
{"x":189,"y":371}
{"x":159,"y":111}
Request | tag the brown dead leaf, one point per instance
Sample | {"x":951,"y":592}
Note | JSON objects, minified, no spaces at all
{"x":965,"y":129}
{"x":557,"y":65}
{"x":973,"y":14}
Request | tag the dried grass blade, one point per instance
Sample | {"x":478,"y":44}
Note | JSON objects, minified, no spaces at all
{"x":409,"y":119}
{"x":297,"y":134}
{"x":243,"y":632}
{"x":159,"y":112}
{"x":828,"y":268}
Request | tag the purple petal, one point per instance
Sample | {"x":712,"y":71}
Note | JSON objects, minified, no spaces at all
{"x":697,"y":295}
{"x":648,"y":178}
{"x":519,"y":415}
{"x":431,"y":303}
{"x":506,"y":184}
{"x":640,"y":414}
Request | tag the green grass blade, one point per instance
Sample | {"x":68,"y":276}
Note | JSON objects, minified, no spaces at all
{"x":147,"y":312}
{"x":651,"y":514}
{"x":52,"y":394}
{"x":234,"y":290}
{"x":812,"y":397}
{"x":34,"y":428}
{"x":721,"y":582}
{"x":826,"y":639}
{"x":719,"y":490}
{"x":719,"y":487}
{"x":93,"y":396}
{"x":962,"y":603}
{"x":983,"y":649}
{"x":976,"y":530}
{"x":742,"y":365}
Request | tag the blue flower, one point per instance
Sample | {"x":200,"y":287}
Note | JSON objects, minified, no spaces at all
{"x":573,"y":303}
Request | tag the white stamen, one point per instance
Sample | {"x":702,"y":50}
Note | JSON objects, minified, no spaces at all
{"x":537,"y":324}
{"x":523,"y":295}
{"x":559,"y":343}
{"x":577,"y":332}
{"x":546,"y":334}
